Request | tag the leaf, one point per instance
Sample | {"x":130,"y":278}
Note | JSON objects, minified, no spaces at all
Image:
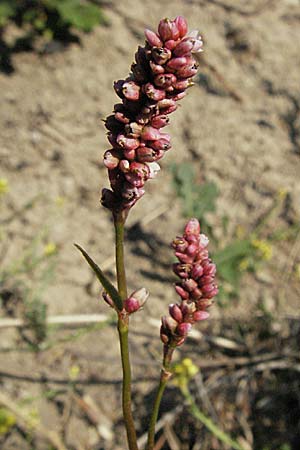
{"x":7,"y":10}
{"x":84,"y":16}
{"x":207,"y":195}
{"x":108,"y":286}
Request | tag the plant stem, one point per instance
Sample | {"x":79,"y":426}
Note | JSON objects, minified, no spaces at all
{"x":208,"y":423}
{"x":119,"y":222}
{"x":123,"y":322}
{"x":165,"y":375}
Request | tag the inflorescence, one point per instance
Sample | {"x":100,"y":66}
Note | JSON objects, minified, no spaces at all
{"x":196,"y":287}
{"x":162,"y":71}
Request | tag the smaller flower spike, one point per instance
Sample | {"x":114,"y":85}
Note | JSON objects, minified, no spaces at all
{"x":162,"y":71}
{"x":196,"y":287}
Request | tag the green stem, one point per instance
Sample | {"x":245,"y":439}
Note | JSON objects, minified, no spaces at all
{"x":208,"y":423}
{"x":165,"y":375}
{"x":119,"y":222}
{"x":123,"y":322}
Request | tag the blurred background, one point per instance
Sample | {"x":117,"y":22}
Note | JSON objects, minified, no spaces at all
{"x":234,"y":164}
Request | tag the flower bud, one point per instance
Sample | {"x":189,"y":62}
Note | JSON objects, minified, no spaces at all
{"x":153,"y":93}
{"x":131,"y":305}
{"x":183,"y":328}
{"x":124,"y":165}
{"x":197,"y":271}
{"x":182,"y":292}
{"x":177,"y":63}
{"x":161,"y":55}
{"x":200,"y":315}
{"x":128,"y":143}
{"x":152,"y":38}
{"x":182,"y":270}
{"x":189,"y":284}
{"x":160,"y":121}
{"x":161,"y":144}
{"x":192,"y":227}
{"x":107,"y":298}
{"x":156,"y":68}
{"x":170,"y":44}
{"x":167,"y":29}
{"x":175,"y":312}
{"x":111,"y":159}
{"x":133,"y":129}
{"x":129,"y":154}
{"x":181,"y":24}
{"x":164,"y":80}
{"x":150,"y":134}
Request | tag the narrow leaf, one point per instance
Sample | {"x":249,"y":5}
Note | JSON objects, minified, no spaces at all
{"x":108,"y":286}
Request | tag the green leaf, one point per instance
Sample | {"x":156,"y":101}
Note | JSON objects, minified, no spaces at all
{"x":7,"y":10}
{"x":84,"y":16}
{"x":108,"y":286}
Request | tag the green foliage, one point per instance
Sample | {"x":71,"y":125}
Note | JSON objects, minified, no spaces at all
{"x":51,"y":19}
{"x":197,"y":199}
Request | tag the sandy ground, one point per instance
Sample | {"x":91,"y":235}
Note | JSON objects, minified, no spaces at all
{"x":240,"y":125}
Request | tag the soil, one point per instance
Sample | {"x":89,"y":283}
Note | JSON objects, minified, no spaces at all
{"x":239,"y":126}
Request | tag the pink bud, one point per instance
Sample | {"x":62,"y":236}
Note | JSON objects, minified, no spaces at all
{"x":161,"y":55}
{"x":200,"y":315}
{"x":170,"y":44}
{"x":150,"y":134}
{"x":131,"y":90}
{"x":152,"y":38}
{"x":156,"y":68}
{"x":182,"y":292}
{"x":188,"y":45}
{"x":154,"y":93}
{"x":129,"y":154}
{"x":177,"y":63}
{"x":107,"y":298}
{"x":164,"y":80}
{"x":128,"y":143}
{"x":197,"y":271}
{"x":187,"y":72}
{"x":189,"y":284}
{"x":160,"y":121}
{"x":124,"y":165}
{"x":131,"y":305}
{"x":175,"y":312}
{"x":184,"y":258}
{"x":133,"y":129}
{"x":192,"y":249}
{"x":182,"y":26}
{"x":182,"y":270}
{"x":183,"y":328}
{"x":111,"y":159}
{"x":167,"y":29}
{"x":192,"y":227}
{"x":179,"y":244}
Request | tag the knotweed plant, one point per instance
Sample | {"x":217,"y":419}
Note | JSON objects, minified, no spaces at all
{"x":160,"y":76}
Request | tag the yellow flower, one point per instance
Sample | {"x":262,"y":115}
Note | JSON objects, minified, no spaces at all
{"x":74,"y":371}
{"x":3,"y":186}
{"x":263,"y":247}
{"x":50,"y":249}
{"x":60,"y":201}
{"x":244,"y":265}
{"x":7,"y":421}
{"x":183,"y":372}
